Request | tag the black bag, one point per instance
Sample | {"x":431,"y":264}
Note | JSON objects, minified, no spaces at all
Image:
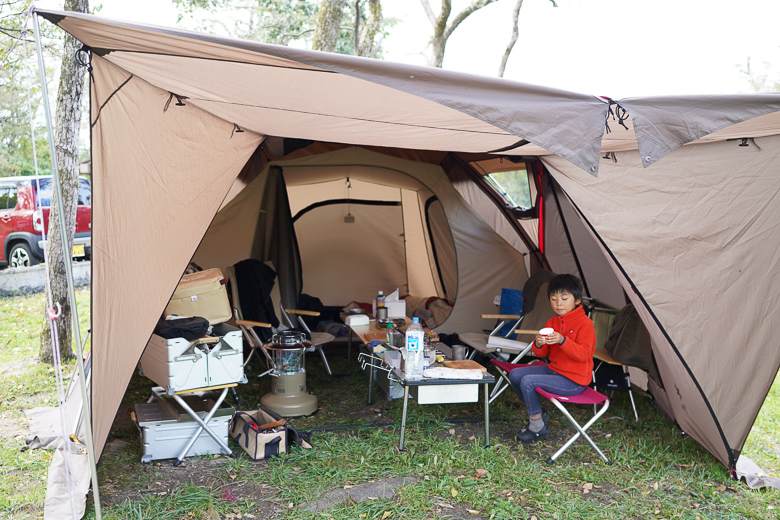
{"x":187,"y":328}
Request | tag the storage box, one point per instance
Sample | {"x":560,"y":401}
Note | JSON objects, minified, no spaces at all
{"x":165,"y":430}
{"x":391,"y":388}
{"x":201,"y":294}
{"x":257,"y":442}
{"x":179,"y":365}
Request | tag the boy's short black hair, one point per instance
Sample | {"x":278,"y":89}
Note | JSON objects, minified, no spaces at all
{"x":565,"y":283}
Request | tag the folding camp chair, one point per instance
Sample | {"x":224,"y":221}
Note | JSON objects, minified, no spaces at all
{"x":587,"y":396}
{"x":536,"y":312}
{"x":317,"y":339}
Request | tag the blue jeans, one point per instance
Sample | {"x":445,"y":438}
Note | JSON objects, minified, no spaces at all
{"x":525,"y":379}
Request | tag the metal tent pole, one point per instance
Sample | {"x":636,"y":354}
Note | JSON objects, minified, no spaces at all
{"x":68,"y":270}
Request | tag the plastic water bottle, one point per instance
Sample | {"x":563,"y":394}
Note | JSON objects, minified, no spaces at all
{"x":389,"y":334}
{"x":415,"y":344}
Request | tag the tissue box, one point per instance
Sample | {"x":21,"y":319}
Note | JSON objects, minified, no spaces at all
{"x":396,"y":309}
{"x":354,"y":320}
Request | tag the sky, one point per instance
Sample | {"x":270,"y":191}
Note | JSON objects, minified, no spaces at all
{"x":615,"y":48}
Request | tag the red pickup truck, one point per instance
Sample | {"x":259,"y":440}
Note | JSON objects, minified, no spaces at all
{"x":24,"y":216}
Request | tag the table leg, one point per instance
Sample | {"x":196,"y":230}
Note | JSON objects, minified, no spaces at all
{"x":349,"y":345}
{"x":403,"y":417}
{"x":370,"y":379}
{"x":203,"y":425}
{"x":487,"y":415}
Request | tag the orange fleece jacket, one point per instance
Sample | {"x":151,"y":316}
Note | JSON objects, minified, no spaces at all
{"x":574,"y":358}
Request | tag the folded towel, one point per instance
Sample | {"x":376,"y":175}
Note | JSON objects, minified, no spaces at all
{"x":452,"y":373}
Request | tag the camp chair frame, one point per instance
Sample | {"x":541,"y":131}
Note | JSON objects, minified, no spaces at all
{"x":601,"y":356}
{"x":587,"y":396}
{"x":318,"y":339}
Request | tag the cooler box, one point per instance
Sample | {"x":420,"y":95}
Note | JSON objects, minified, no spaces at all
{"x":201,"y":294}
{"x":165,"y":430}
{"x":179,"y":365}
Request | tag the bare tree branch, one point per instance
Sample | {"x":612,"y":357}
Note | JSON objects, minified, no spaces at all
{"x":429,"y":12}
{"x":468,"y":11}
{"x":513,"y":39}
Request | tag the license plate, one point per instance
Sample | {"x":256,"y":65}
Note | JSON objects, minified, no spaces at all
{"x":78,"y":250}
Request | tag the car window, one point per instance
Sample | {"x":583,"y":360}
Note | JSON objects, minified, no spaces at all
{"x":42,"y":192}
{"x":85,"y":193}
{"x":11,"y":197}
{"x":4,"y":193}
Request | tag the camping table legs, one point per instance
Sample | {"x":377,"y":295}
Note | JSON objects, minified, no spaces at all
{"x":203,"y":423}
{"x":485,"y":391}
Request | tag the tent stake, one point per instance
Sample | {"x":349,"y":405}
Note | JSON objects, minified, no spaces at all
{"x":68,"y":271}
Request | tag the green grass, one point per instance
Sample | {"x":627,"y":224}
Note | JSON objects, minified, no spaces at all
{"x":656,"y":472}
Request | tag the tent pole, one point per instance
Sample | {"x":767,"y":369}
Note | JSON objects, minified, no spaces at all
{"x":68,"y":270}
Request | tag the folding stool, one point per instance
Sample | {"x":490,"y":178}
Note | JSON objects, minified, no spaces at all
{"x":587,"y":396}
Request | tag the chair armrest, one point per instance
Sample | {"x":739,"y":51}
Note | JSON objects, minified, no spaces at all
{"x":501,"y":316}
{"x":301,"y":311}
{"x":526,"y":331}
{"x":248,"y":323}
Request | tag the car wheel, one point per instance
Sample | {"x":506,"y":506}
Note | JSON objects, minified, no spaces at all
{"x":21,"y":256}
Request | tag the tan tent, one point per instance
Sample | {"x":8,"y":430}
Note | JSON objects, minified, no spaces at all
{"x":183,"y":122}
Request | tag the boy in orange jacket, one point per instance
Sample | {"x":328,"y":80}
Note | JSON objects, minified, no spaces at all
{"x":569,"y":349}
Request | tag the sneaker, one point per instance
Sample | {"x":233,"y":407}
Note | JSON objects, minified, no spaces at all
{"x":526,"y":436}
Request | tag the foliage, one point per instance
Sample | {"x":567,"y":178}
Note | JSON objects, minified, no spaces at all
{"x":19,"y":72}
{"x":759,"y":80}
{"x":281,"y":22}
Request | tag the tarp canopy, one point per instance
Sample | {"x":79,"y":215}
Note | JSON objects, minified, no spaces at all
{"x":689,"y":232}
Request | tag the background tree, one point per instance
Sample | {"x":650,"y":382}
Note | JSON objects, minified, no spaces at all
{"x":515,"y":35}
{"x":443,"y":27}
{"x":66,"y":138}
{"x":17,"y":74}
{"x":356,"y":26}
{"x":758,"y":81}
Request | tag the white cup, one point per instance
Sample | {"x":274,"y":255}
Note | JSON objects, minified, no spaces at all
{"x":546,"y":331}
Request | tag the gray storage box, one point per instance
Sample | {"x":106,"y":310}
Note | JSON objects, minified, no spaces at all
{"x":165,"y":430}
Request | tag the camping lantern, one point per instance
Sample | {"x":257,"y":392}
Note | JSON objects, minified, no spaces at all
{"x":288,"y":396}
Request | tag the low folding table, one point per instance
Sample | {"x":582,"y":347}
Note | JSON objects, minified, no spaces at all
{"x":435,"y":391}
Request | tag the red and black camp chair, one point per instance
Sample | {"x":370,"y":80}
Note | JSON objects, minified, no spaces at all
{"x":587,"y":396}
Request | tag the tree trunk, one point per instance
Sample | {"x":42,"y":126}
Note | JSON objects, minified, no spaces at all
{"x":367,"y":42}
{"x":66,"y":138}
{"x":512,"y":40}
{"x":328,"y":25}
{"x":442,"y":31}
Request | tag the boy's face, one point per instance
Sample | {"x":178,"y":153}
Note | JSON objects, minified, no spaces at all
{"x":563,"y":302}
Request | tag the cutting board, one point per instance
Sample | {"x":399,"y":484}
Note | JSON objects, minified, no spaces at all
{"x":464,"y":364}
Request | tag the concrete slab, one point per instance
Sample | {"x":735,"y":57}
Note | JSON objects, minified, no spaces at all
{"x":28,"y":280}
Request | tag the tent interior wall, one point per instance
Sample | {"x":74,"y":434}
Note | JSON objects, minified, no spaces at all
{"x":681,"y":218}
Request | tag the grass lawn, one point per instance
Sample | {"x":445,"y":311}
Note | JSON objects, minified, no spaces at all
{"x":656,"y":472}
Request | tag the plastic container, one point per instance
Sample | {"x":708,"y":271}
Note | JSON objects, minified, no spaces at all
{"x":380,"y":300}
{"x":389,"y":334}
{"x":415,"y":341}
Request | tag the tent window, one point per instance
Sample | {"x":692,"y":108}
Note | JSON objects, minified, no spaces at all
{"x":513,"y":186}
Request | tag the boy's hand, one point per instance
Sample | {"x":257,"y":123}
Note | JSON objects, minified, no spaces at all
{"x":550,"y":339}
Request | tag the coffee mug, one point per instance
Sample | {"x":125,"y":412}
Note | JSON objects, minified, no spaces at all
{"x":458,"y":352}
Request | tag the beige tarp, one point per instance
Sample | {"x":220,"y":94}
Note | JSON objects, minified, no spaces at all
{"x":692,"y":238}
